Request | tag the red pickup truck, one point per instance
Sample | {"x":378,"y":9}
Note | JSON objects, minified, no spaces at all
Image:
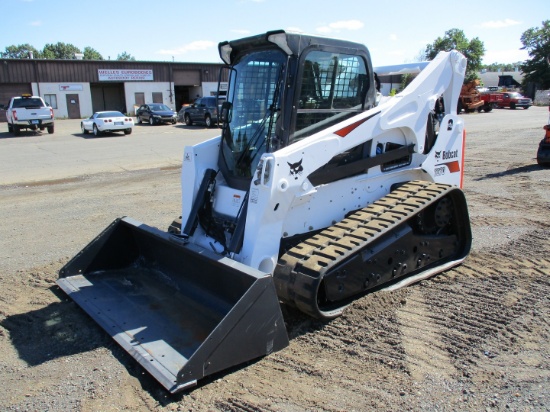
{"x":513,"y":100}
{"x":490,"y":101}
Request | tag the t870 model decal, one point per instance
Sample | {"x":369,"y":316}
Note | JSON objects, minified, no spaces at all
{"x":453,"y":167}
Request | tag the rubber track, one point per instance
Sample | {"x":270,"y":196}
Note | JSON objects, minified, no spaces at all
{"x":299,"y":272}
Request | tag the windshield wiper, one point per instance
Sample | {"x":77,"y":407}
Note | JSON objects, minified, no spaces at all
{"x":274,"y":110}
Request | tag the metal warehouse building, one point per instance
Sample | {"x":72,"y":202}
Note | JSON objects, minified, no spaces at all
{"x":78,"y":88}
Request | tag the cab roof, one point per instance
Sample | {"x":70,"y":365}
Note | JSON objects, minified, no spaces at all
{"x":292,"y":43}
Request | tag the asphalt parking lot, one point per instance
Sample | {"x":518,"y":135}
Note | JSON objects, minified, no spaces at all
{"x":68,"y":153}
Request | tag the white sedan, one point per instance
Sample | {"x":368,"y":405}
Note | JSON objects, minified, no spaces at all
{"x":101,"y":122}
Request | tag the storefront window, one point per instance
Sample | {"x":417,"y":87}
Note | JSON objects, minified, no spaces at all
{"x":51,"y":99}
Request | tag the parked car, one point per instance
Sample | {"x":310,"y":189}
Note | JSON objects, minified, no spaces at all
{"x":155,"y":113}
{"x":513,"y":100}
{"x":108,"y":121}
{"x":30,"y":113}
{"x":490,"y":101}
{"x":181,"y":112}
{"x":204,"y":110}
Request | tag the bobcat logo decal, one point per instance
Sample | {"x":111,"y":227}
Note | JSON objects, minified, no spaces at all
{"x":438,"y":155}
{"x":296,"y":169}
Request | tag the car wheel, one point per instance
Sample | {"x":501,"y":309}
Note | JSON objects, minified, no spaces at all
{"x":151,"y":121}
{"x":84,"y":131}
{"x":128,"y":131}
{"x":512,"y":106}
{"x":16,"y":130}
{"x":50,"y":129}
{"x":208,"y":121}
{"x":96,"y":131}
{"x":138,"y":119}
{"x":187,"y":119}
{"x":10,"y":128}
{"x":525,"y":107}
{"x":173,"y":122}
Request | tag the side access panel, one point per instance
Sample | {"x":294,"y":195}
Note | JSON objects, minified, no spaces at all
{"x":181,"y":311}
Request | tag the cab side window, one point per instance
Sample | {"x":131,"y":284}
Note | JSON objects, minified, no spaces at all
{"x":333,"y":88}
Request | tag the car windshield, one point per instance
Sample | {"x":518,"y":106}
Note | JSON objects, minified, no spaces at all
{"x":29,"y":103}
{"x":254,"y":94}
{"x":109,"y":114}
{"x":515,"y":95}
{"x":159,"y":107}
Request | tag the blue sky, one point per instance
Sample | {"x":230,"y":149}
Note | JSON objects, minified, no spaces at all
{"x":189,"y":30}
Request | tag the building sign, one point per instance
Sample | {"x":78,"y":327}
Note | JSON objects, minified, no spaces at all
{"x":106,"y":75}
{"x":70,"y":87}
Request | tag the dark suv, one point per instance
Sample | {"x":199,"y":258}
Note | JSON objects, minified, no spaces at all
{"x":204,"y":110}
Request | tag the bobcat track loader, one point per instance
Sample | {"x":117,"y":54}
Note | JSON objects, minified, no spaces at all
{"x":317,"y":191}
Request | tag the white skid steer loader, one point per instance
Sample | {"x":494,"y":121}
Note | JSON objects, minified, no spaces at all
{"x":317,"y":192}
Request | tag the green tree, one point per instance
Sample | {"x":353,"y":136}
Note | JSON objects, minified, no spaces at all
{"x":536,"y":41}
{"x":92,"y":54}
{"x":125,"y":56}
{"x":455,"y":39}
{"x":23,"y":51}
{"x":505,"y":67}
{"x":60,"y":51}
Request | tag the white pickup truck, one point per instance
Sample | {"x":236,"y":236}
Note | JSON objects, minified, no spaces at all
{"x":29,"y":112}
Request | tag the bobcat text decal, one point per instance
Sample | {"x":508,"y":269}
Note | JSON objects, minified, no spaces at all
{"x":447,"y":154}
{"x":453,"y":166}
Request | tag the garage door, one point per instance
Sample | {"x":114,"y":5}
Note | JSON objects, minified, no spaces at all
{"x":108,"y":97}
{"x":187,"y":77}
{"x":7,"y":91}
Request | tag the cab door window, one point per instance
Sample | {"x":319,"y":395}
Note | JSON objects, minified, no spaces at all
{"x":333,"y":88}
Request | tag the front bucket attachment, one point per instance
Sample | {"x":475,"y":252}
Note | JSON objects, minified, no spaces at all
{"x":181,"y":311}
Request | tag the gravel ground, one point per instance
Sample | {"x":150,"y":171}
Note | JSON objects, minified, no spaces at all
{"x":473,"y":338}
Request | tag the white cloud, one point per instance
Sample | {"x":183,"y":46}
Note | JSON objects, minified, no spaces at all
{"x":193,"y":46}
{"x":393,"y":37}
{"x":499,"y":24}
{"x":340,"y":25}
{"x":35,"y":23}
{"x":505,"y":56}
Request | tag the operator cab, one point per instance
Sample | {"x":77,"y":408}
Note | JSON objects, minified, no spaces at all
{"x":283,"y":87}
